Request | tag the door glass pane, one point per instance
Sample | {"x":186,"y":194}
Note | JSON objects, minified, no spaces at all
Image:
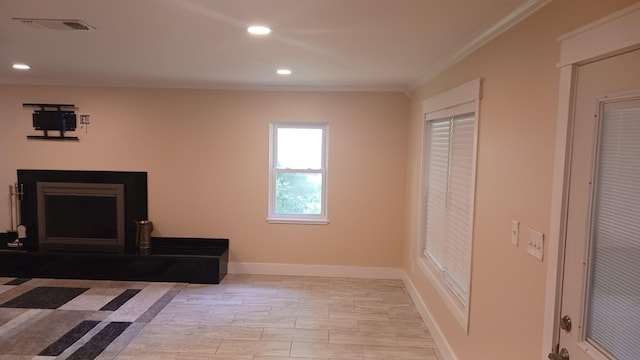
{"x":613,"y":309}
{"x":298,"y":193}
{"x":299,"y":148}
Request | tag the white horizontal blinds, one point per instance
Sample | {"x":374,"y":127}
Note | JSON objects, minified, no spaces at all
{"x":449,"y":188}
{"x":436,"y":175}
{"x":613,"y":315}
{"x":460,"y":200}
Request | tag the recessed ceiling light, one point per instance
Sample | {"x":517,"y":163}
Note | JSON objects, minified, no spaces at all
{"x":283,"y":72}
{"x":21,"y":66}
{"x":258,"y":30}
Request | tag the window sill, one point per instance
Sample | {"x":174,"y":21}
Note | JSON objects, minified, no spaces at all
{"x":297,"y":221}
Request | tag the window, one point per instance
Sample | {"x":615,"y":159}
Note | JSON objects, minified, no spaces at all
{"x":448,"y":179}
{"x":298,"y":181}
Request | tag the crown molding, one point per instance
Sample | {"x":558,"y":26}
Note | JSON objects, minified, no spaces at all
{"x":484,"y":37}
{"x":214,"y":86}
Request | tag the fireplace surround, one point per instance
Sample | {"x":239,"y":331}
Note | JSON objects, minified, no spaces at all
{"x":93,"y":187}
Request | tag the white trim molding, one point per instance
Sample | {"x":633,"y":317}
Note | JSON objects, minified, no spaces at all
{"x":459,"y":100}
{"x":315,"y":270}
{"x":467,"y":93}
{"x":443,"y":345}
{"x":612,"y":34}
{"x":608,"y":36}
{"x":511,"y":19}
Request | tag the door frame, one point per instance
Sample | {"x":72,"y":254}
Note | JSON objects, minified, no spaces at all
{"x":609,"y":36}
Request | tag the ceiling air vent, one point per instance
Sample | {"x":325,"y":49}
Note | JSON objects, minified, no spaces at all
{"x":55,"y":24}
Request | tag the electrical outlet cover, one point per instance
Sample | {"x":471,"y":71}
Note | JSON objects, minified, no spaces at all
{"x":515,"y":232}
{"x":535,"y":245}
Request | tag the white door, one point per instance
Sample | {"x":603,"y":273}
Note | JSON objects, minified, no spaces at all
{"x":601,"y":284}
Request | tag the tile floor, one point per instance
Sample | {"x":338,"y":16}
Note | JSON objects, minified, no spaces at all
{"x":251,"y":317}
{"x":246,"y":317}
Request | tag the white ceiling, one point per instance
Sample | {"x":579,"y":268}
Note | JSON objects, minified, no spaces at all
{"x":337,"y":44}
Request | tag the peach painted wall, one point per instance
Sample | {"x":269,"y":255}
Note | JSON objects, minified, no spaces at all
{"x":514,"y":175}
{"x":206,"y":154}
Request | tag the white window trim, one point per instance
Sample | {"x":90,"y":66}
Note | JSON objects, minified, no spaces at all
{"x":319,"y":219}
{"x":460,"y":100}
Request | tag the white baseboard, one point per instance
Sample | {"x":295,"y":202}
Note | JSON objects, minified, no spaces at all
{"x":315,"y":270}
{"x":354,"y":272}
{"x":443,"y":345}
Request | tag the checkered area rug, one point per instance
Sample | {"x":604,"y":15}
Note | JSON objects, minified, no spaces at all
{"x":75,"y":319}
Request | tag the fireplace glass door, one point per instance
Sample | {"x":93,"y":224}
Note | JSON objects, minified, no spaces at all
{"x":80,"y":215}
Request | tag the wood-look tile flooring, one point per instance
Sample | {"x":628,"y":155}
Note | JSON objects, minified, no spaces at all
{"x":251,"y":317}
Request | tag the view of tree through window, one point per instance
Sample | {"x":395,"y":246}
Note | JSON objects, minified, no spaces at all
{"x":298,"y":193}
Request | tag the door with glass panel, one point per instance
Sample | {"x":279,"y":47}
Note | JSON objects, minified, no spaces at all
{"x":601,"y":283}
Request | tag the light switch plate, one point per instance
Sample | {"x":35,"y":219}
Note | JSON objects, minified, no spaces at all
{"x":515,"y":232}
{"x":535,"y":245}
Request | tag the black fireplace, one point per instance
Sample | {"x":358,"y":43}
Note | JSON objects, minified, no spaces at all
{"x":82,"y":211}
{"x":82,"y":225}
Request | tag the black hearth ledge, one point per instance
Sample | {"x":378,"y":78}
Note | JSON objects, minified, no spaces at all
{"x":171,"y":259}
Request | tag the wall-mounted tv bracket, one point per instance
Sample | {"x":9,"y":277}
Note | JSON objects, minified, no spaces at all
{"x":56,"y":117}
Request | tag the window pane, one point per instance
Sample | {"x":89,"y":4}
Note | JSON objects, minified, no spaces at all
{"x":299,"y":148}
{"x":298,"y":193}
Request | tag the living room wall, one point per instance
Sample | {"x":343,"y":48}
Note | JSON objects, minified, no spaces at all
{"x":207,"y":153}
{"x":514,"y":176}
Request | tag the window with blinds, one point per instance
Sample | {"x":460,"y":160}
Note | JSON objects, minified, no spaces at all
{"x":613,"y":315}
{"x":448,"y":193}
{"x":449,"y":198}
